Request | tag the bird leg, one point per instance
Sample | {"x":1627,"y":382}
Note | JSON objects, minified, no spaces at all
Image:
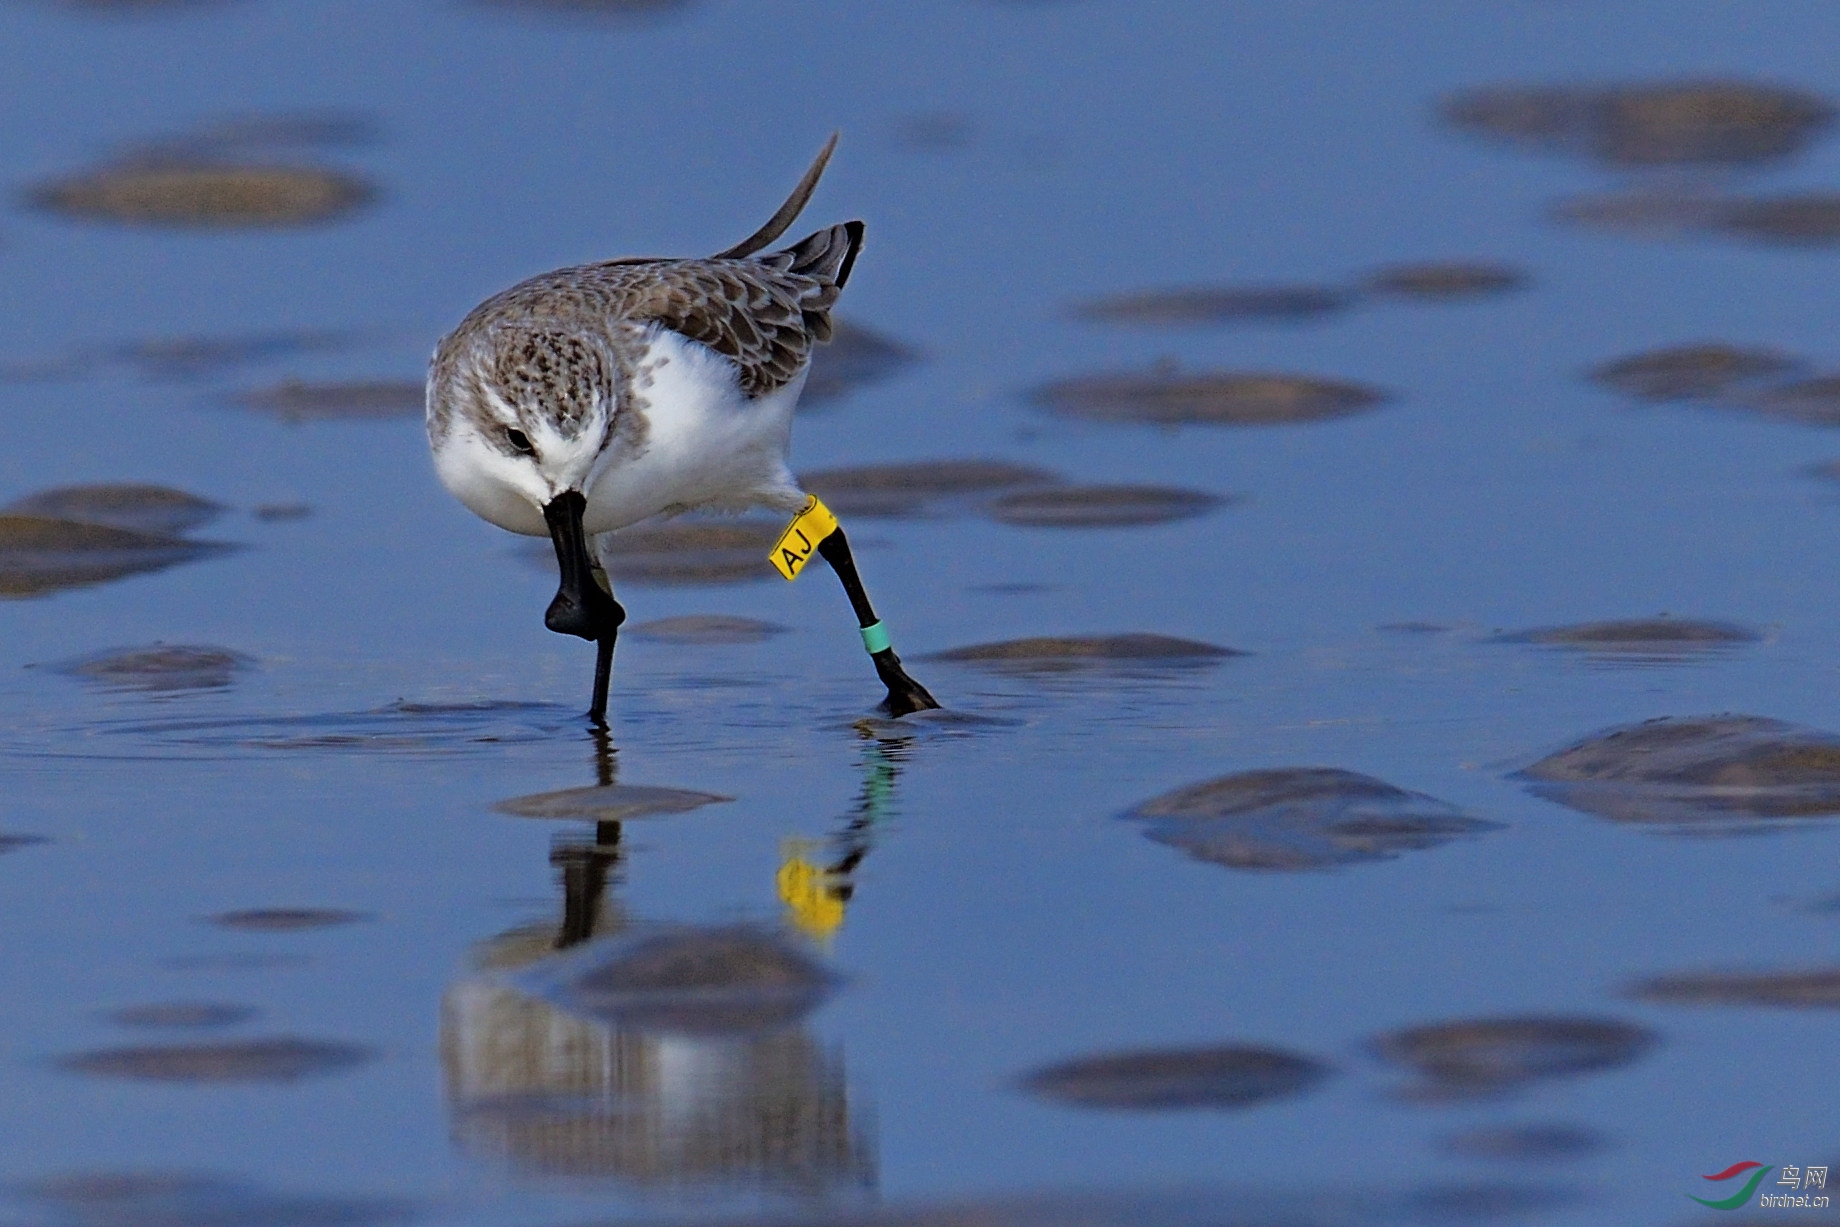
{"x":905,"y":695}
{"x":582,"y":607}
{"x":603,"y":676}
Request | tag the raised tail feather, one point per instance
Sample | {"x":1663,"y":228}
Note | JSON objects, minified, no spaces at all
{"x":825,"y":258}
{"x":788,"y":212}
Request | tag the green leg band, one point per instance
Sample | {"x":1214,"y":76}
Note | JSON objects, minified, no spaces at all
{"x":875,"y":638}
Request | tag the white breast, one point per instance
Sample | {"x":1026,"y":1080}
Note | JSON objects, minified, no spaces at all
{"x":705,"y":444}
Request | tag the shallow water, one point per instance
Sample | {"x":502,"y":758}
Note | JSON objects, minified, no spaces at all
{"x":1494,"y":975}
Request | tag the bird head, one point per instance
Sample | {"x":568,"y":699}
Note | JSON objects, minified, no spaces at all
{"x":518,"y":415}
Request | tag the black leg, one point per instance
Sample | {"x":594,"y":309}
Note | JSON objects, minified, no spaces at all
{"x":905,"y":695}
{"x":603,"y":674}
{"x":603,"y":652}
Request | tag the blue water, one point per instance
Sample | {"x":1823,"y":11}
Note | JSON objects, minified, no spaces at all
{"x":1003,"y":917}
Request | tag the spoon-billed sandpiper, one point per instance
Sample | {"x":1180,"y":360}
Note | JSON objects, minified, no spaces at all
{"x":589,"y":398}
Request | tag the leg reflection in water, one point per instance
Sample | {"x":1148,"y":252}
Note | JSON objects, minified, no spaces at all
{"x":817,"y":880}
{"x":586,"y":869}
{"x":657,"y":1056}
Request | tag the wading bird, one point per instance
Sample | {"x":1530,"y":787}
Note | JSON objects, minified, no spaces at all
{"x":590,"y":398}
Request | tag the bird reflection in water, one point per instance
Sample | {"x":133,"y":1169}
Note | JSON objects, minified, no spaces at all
{"x":817,"y":880}
{"x":667,"y":1058}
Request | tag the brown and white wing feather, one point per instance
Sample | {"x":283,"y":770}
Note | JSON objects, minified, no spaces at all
{"x":764,"y":314}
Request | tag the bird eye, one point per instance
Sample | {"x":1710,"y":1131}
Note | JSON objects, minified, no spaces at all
{"x":520,"y":440}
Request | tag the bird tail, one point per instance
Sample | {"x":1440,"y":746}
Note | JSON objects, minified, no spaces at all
{"x":824,"y":260}
{"x":826,"y":256}
{"x":788,"y":212}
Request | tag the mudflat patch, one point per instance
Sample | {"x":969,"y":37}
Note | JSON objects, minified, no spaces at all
{"x":1809,"y":988}
{"x":709,"y":629}
{"x":1066,"y":653}
{"x":1811,"y":402}
{"x":129,"y":505}
{"x":1192,"y":305}
{"x":918,"y":487}
{"x":282,"y":1059}
{"x":1680,"y":123}
{"x":287,"y":919}
{"x":1646,"y":211}
{"x":202,"y":357}
{"x":173,"y":1199}
{"x":40,"y":555}
{"x":1300,"y":818}
{"x":608,"y":803}
{"x":1446,"y":280}
{"x":294,"y":400}
{"x":1218,"y":398}
{"x":1702,"y":370}
{"x":1641,"y":640}
{"x":1696,"y":775}
{"x":161,"y":667}
{"x":1483,"y":1057}
{"x":1807,"y":220}
{"x":1213,"y":305}
{"x":1803,"y":220}
{"x":205,"y":195}
{"x":1754,"y":379}
{"x":1176,"y":1078}
{"x":1101,"y":506}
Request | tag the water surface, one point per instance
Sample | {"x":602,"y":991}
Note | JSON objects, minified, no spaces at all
{"x":338,"y":700}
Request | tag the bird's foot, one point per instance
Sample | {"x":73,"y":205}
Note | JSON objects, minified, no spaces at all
{"x":905,"y":695}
